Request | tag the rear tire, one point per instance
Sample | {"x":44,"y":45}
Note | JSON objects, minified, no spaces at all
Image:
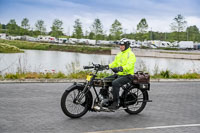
{"x":71,"y":107}
{"x":137,"y":98}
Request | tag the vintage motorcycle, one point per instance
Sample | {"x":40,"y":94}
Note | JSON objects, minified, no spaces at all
{"x":77,"y":99}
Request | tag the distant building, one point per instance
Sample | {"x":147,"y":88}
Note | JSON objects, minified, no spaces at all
{"x":3,"y":36}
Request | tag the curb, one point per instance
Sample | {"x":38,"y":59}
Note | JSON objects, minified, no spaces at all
{"x":82,"y":80}
{"x":175,"y":80}
{"x":41,"y":81}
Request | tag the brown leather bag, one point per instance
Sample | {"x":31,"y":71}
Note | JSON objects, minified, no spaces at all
{"x":141,"y":77}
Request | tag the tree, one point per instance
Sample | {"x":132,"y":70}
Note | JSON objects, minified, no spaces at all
{"x":116,"y":30}
{"x":179,"y":25}
{"x":142,"y":26}
{"x":40,"y":26}
{"x":24,"y":24}
{"x":91,"y":35}
{"x":3,"y":28}
{"x":86,"y":34}
{"x":56,"y":29}
{"x":192,"y":33}
{"x":97,"y":29}
{"x":24,"y":27}
{"x":109,"y":37}
{"x":12,"y":27}
{"x":78,"y":33}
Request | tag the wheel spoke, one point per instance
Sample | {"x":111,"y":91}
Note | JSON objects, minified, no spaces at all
{"x":72,"y":106}
{"x":135,"y":97}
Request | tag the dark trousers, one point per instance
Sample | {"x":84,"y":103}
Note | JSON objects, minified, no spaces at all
{"x":117,"y":83}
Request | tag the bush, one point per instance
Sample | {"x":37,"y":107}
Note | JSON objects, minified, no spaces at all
{"x":60,"y":75}
{"x":32,"y":75}
{"x":11,"y":76}
{"x":78,"y":75}
{"x":165,"y":74}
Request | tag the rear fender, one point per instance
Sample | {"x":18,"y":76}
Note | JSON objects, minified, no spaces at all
{"x":147,"y":94}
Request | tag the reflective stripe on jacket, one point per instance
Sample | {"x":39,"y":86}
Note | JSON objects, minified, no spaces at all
{"x":127,"y":60}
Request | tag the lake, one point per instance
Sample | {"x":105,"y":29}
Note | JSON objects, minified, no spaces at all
{"x":48,"y":61}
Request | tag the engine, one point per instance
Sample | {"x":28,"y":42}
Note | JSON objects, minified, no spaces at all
{"x":105,"y":97}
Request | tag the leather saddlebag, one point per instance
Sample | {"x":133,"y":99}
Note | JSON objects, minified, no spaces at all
{"x":141,"y":77}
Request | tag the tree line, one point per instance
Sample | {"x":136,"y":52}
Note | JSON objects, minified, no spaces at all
{"x":179,"y":31}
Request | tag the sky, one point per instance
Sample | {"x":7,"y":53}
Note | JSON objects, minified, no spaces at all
{"x":158,"y":13}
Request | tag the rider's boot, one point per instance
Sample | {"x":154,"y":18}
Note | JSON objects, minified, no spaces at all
{"x":114,"y":105}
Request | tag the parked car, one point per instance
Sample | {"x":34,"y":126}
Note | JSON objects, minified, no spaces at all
{"x":62,"y":40}
{"x":186,"y":45}
{"x":3,"y":36}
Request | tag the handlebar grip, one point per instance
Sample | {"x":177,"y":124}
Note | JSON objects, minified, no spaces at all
{"x":88,"y":67}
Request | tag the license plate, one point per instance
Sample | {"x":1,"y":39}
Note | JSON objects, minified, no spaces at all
{"x":88,"y":77}
{"x":144,"y":86}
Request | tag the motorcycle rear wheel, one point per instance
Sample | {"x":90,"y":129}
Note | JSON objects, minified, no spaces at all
{"x":137,"y":98}
{"x":73,"y":108}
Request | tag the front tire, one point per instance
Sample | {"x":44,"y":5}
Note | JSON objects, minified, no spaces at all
{"x":73,"y":108}
{"x":136,"y":100}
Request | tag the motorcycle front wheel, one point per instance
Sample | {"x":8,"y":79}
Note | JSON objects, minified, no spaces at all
{"x":135,"y":101}
{"x":74,"y":103}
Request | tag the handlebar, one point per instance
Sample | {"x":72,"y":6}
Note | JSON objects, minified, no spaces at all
{"x":88,"y":67}
{"x":97,"y":67}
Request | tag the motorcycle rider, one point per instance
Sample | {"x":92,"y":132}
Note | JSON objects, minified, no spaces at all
{"x":123,"y":66}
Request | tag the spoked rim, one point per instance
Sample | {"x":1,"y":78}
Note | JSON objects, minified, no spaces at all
{"x":138,"y":97}
{"x":74,"y":106}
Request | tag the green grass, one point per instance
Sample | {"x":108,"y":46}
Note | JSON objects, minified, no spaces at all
{"x":82,"y":75}
{"x":34,"y":75}
{"x":51,"y":75}
{"x":48,"y":46}
{"x":169,"y":75}
{"x":6,"y":48}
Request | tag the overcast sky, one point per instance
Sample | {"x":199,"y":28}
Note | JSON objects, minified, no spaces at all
{"x":158,"y":13}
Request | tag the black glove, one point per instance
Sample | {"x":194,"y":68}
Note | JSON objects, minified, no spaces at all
{"x":106,"y":67}
{"x":117,"y":69}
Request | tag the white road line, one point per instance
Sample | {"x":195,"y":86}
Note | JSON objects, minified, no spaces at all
{"x":146,"y":128}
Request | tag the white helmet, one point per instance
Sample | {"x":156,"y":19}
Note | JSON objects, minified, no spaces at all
{"x":125,"y":42}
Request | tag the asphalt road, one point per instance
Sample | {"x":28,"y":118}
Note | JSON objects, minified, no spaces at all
{"x":35,"y":108}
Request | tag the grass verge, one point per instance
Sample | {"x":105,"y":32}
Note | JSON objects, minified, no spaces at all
{"x":82,"y":75}
{"x":6,"y":48}
{"x":56,"y":47}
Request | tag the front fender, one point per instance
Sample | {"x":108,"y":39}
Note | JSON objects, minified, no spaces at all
{"x":80,"y":86}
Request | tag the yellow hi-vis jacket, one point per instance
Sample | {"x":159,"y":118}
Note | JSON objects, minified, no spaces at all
{"x":125,"y":59}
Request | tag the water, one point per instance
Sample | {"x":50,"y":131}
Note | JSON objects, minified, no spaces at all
{"x":49,"y":61}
